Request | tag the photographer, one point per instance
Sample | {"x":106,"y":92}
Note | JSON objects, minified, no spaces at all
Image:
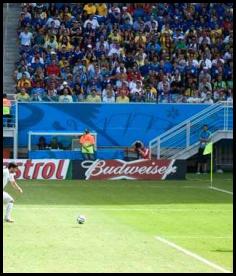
{"x":142,"y":152}
{"x":138,"y":148}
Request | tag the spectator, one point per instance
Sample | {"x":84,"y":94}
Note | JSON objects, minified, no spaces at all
{"x":51,"y":42}
{"x":101,"y":9}
{"x":102,"y":42}
{"x":137,"y":97}
{"x":180,"y":43}
{"x":19,"y":73}
{"x":53,"y":69}
{"x":65,"y":98}
{"x":36,"y":62}
{"x":122,"y":98}
{"x":51,"y":93}
{"x":92,"y":21}
{"x":109,"y":97}
{"x":108,"y":94}
{"x":39,"y":90}
{"x":151,"y":41}
{"x":53,"y":79}
{"x":205,"y":74}
{"x":36,"y":97}
{"x":24,"y":81}
{"x":208,"y":98}
{"x":93,"y":97}
{"x":42,"y":143}
{"x":39,"y":38}
{"x":229,"y":96}
{"x":165,"y":96}
{"x":137,"y":88}
{"x":195,"y":97}
{"x":175,"y":92}
{"x":63,"y":63}
{"x":204,"y":84}
{"x":90,"y":8}
{"x":78,"y":92}
{"x":222,"y":96}
{"x":65,"y":45}
{"x":64,"y":85}
{"x":65,"y":72}
{"x":26,"y":37}
{"x":22,"y":96}
{"x":162,"y":83}
{"x":219,"y":83}
{"x":151,"y":93}
{"x":55,"y":144}
{"x":219,"y":95}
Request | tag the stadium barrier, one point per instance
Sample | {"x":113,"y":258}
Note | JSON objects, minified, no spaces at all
{"x":142,"y":169}
{"x":59,"y":169}
{"x":114,"y":124}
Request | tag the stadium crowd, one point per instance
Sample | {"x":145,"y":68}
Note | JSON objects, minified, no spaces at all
{"x":117,"y":52}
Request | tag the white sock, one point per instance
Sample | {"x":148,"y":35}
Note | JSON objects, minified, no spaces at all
{"x":8,"y":210}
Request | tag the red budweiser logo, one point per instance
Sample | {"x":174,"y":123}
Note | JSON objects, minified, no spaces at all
{"x":119,"y":169}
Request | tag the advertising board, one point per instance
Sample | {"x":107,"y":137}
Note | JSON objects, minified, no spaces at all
{"x":40,"y":168}
{"x":141,"y":169}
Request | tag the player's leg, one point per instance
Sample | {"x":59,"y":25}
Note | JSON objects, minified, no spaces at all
{"x":7,"y":199}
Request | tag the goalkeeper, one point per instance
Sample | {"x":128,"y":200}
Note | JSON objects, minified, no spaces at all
{"x":87,"y":143}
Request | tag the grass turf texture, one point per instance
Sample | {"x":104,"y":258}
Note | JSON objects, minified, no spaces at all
{"x":123,"y":219}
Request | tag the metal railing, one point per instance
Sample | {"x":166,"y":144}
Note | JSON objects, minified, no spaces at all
{"x":218,"y":116}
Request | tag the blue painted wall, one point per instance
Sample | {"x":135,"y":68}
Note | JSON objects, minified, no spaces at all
{"x":115,"y":124}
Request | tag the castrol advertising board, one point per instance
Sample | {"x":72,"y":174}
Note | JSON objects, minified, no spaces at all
{"x":40,"y":168}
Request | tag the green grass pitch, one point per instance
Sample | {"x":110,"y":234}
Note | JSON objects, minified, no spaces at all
{"x":124,"y":221}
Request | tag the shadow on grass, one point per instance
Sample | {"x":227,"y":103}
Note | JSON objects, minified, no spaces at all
{"x":223,"y":250}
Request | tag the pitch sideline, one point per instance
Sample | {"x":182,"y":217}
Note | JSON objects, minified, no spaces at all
{"x":191,"y":254}
{"x":221,"y":190}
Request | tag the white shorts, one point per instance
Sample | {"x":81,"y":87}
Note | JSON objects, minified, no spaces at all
{"x":7,"y":198}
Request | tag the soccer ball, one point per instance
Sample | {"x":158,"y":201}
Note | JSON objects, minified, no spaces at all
{"x":81,"y":219}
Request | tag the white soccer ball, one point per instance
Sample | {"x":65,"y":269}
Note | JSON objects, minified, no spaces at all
{"x":81,"y":219}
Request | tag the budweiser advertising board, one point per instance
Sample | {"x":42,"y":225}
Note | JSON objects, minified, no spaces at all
{"x":142,"y":169}
{"x":40,"y":168}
